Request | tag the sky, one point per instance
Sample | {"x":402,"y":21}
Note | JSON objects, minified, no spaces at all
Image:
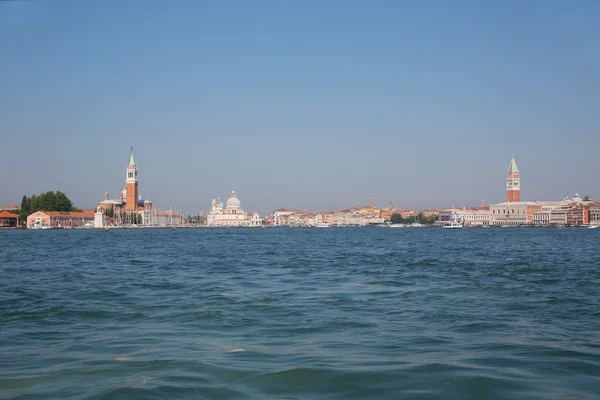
{"x":312,"y":105}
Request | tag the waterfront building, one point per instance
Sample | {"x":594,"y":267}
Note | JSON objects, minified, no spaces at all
{"x":541,"y":218}
{"x":281,"y":216}
{"x":325,"y":218}
{"x":514,"y":213}
{"x":129,"y":207}
{"x":59,"y":219}
{"x":465,"y":216}
{"x":355,"y":218}
{"x":594,"y":214}
{"x":578,"y":215}
{"x":231,"y":215}
{"x":552,"y":213}
{"x":553,"y":217}
{"x":8,"y":220}
{"x":513,"y":183}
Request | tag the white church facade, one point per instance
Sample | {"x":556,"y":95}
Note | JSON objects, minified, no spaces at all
{"x":231,"y":215}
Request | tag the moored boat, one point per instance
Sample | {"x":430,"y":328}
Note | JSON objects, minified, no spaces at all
{"x":453,"y":225}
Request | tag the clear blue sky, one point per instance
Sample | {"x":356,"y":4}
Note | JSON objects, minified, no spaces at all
{"x":308,"y":104}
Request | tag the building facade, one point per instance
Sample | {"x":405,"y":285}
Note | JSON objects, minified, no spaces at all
{"x":514,"y":213}
{"x":578,"y":215}
{"x":8,"y":220}
{"x":231,"y":215}
{"x":595,"y":214}
{"x":465,"y":216}
{"x":281,"y":216}
{"x":58,"y":219}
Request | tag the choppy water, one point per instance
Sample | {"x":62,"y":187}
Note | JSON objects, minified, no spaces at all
{"x":349,"y":313}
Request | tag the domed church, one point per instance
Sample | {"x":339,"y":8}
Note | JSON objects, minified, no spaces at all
{"x":232,"y":215}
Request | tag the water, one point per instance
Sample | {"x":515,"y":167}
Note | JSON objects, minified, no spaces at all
{"x":339,"y":313}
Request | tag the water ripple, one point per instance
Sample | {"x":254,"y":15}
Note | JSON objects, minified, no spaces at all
{"x":300,"y":313}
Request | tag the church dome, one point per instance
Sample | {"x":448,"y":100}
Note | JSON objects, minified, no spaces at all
{"x":233,"y":201}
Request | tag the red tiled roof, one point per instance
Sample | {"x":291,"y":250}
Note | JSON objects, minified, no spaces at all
{"x":6,"y":214}
{"x":72,"y":214}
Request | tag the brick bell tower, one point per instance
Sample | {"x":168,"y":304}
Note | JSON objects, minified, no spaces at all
{"x":131,"y":184}
{"x":513,"y":182}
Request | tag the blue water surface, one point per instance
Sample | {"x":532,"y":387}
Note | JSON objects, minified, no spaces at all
{"x":282,"y":313}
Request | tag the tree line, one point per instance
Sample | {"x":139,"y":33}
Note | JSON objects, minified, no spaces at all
{"x":48,"y":201}
{"x":420,"y":218}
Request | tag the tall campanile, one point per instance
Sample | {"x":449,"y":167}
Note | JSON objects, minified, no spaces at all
{"x":131,"y":184}
{"x":513,"y":182}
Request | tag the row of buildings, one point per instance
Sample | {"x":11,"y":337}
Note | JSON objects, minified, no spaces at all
{"x":573,"y":211}
{"x":130,"y":209}
{"x":356,"y":216}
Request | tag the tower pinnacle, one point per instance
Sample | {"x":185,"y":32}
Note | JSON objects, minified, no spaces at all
{"x":131,"y":159}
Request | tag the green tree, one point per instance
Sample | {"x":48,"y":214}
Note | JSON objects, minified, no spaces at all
{"x":62,"y":202}
{"x":34,"y":204}
{"x":396,"y":219}
{"x":24,"y":204}
{"x":24,"y":210}
{"x":110,"y":212}
{"x":48,"y":201}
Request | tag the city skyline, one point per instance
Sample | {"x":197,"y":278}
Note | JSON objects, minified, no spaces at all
{"x":307,"y":106}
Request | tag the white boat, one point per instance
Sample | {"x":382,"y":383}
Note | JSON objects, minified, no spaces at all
{"x":88,"y":225}
{"x":322,"y":225}
{"x":453,"y":225}
{"x":592,"y":226}
{"x":397,"y":226}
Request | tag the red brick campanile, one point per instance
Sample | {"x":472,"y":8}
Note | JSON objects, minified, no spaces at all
{"x":513,"y":183}
{"x":131,"y":184}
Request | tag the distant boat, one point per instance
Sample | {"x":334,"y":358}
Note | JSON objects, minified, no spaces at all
{"x":88,"y":225}
{"x":397,"y":226}
{"x":453,"y":225}
{"x":322,"y":225}
{"x":592,"y":226}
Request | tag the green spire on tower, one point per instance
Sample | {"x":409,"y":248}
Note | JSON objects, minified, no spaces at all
{"x":512,"y":168}
{"x":131,"y":160}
